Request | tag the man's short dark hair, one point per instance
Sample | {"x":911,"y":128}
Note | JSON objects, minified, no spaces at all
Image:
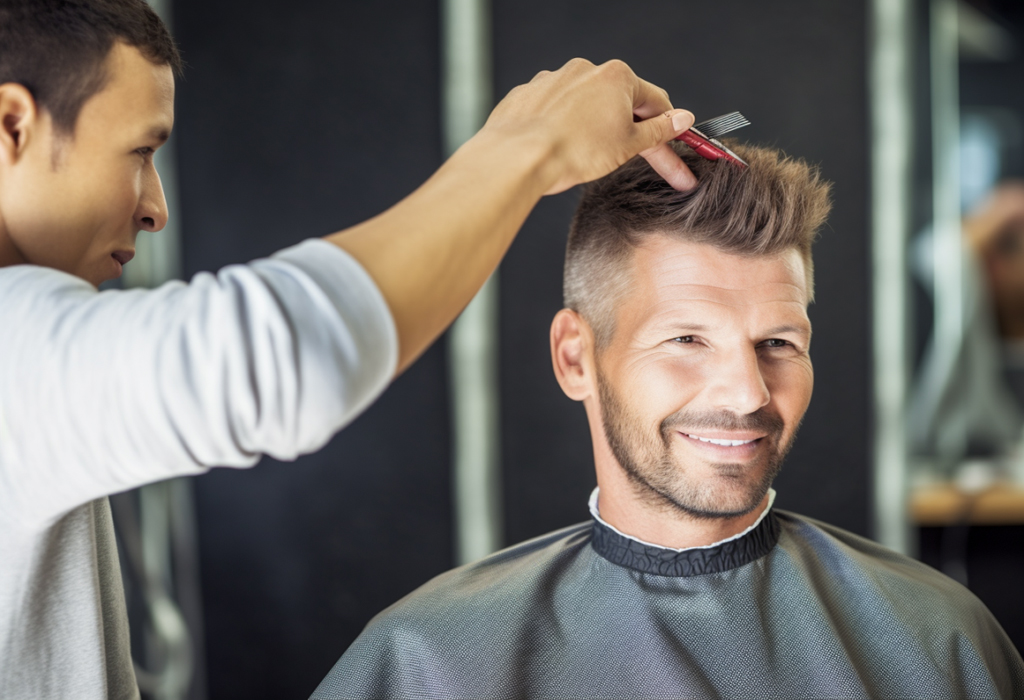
{"x":58,"y":49}
{"x":777,"y":203}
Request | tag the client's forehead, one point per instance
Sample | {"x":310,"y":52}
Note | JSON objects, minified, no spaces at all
{"x":667,"y":271}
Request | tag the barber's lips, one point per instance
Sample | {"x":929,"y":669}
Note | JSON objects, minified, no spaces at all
{"x":121,"y":257}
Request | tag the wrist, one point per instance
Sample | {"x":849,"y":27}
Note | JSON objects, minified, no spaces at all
{"x":522,"y":154}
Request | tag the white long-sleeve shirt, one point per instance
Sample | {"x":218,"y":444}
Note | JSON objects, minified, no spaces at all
{"x":101,"y":392}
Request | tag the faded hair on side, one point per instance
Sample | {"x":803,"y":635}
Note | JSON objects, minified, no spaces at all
{"x":776,"y":204}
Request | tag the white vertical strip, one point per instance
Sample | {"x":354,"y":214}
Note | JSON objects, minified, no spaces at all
{"x":947,"y":239}
{"x":891,"y":137}
{"x":476,"y":475}
{"x":169,"y":661}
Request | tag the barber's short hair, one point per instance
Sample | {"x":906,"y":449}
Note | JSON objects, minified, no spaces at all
{"x":58,"y":49}
{"x":775,"y":204}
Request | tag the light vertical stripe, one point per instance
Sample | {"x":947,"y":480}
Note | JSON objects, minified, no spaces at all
{"x":948,"y":277}
{"x":891,"y":136}
{"x":473,"y":341}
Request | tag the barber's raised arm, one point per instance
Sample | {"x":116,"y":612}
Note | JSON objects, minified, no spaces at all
{"x":430,"y":253}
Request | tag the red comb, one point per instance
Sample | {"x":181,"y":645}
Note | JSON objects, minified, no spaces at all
{"x":700,"y":137}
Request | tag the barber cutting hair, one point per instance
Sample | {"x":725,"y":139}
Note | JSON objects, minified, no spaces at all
{"x":104,"y":392}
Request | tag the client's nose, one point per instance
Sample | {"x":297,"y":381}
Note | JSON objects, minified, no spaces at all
{"x":738,"y":385}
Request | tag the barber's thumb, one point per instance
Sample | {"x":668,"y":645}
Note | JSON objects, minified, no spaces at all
{"x":663,"y":128}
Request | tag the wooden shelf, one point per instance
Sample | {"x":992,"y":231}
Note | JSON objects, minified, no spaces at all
{"x":944,"y":504}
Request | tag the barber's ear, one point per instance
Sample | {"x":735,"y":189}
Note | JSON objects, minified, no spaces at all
{"x":572,"y":343}
{"x":18,"y":114}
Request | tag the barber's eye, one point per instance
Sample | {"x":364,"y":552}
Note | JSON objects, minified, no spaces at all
{"x":145,"y":151}
{"x":776,"y":343}
{"x":683,"y":339}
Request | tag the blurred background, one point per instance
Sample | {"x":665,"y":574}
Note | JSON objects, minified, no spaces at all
{"x":298,"y":119}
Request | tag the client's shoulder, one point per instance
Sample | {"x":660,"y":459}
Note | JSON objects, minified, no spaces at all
{"x":439,"y":640}
{"x":837,"y":553}
{"x":501,"y":580}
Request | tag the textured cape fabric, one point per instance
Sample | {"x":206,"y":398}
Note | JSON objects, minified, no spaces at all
{"x":793,"y":609}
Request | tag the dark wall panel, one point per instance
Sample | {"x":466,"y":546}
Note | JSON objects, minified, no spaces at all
{"x":797,"y":70}
{"x":297,"y":119}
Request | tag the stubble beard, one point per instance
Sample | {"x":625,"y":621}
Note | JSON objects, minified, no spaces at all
{"x":663,"y":482}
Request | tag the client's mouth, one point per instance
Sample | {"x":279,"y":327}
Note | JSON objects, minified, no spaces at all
{"x":723,"y":442}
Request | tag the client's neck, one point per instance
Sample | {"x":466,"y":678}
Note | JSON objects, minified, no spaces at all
{"x":646,"y":516}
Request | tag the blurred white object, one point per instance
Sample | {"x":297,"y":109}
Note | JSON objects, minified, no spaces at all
{"x":976,"y":475}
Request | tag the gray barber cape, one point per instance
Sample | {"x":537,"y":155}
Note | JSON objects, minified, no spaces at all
{"x":794,"y":608}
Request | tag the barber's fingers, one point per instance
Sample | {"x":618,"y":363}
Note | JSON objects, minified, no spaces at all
{"x":588,"y":113}
{"x":670,"y":166}
{"x":661,"y":123}
{"x":649,"y":100}
{"x":652,"y":137}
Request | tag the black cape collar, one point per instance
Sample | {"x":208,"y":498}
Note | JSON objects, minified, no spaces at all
{"x":651,"y":559}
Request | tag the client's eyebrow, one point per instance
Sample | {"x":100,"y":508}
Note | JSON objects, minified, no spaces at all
{"x":683,"y":328}
{"x":789,"y":328}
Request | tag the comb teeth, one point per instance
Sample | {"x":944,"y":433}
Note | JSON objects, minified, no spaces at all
{"x":719,"y":126}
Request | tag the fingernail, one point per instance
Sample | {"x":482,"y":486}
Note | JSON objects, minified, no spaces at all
{"x":682,"y":121}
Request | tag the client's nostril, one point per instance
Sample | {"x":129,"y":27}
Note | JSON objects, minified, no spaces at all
{"x":148,"y":221}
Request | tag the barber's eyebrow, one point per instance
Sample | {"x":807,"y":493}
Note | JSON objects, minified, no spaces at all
{"x":159,"y":134}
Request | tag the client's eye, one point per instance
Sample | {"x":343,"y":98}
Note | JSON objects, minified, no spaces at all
{"x":683,"y":339}
{"x":776,"y":343}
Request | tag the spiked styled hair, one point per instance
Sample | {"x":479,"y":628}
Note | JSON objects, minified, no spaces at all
{"x":58,"y":48}
{"x":775,"y":204}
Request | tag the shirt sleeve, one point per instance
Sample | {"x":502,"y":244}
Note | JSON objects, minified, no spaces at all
{"x":105,"y":391}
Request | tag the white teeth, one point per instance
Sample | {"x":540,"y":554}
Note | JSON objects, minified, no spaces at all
{"x":726,"y":443}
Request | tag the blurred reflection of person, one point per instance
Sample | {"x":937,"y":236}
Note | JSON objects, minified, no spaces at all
{"x":967,"y":401}
{"x":995,"y":232}
{"x":685,"y":336}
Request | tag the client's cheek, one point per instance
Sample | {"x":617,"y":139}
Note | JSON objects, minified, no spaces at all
{"x":790,"y":383}
{"x":668,"y":389}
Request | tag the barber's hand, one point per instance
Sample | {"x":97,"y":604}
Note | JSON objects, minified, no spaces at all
{"x":585,"y":115}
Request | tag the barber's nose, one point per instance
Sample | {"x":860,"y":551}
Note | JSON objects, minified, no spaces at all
{"x":739,"y":386}
{"x":151,"y":213}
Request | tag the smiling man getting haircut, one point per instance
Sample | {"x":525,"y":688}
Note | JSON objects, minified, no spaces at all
{"x":686,"y":337}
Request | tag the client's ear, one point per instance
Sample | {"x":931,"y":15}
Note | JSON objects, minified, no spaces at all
{"x":572,"y":343}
